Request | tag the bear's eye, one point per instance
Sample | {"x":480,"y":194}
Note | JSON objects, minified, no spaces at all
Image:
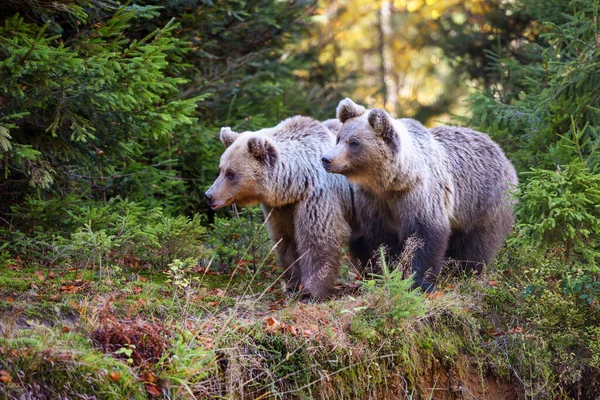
{"x":353,"y":143}
{"x":337,"y":140}
{"x":230,"y":175}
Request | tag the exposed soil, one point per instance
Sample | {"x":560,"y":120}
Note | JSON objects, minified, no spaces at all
{"x":463,"y":382}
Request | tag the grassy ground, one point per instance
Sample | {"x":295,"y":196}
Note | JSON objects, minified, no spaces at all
{"x":199,"y":333}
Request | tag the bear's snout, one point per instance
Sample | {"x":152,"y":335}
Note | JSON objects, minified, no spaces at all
{"x":209,"y":199}
{"x":326,"y":160}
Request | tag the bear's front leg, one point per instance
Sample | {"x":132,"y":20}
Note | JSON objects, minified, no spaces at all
{"x":280,"y":222}
{"x":428,"y":257}
{"x":320,"y":236}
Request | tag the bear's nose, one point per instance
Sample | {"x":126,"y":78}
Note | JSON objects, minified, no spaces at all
{"x":208,"y":197}
{"x":326,"y":160}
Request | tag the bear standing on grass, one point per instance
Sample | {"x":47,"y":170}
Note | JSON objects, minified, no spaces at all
{"x":308,"y":211}
{"x":447,"y":186}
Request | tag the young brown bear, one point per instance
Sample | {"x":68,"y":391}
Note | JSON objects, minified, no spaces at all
{"x":308,"y":211}
{"x":447,"y":187}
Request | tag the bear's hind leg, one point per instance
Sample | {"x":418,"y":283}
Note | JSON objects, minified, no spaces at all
{"x":428,"y":256}
{"x":475,"y":249}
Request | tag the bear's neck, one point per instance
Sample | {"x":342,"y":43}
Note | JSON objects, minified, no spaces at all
{"x":293,"y":177}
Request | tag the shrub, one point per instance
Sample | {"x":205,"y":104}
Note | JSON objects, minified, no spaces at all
{"x":393,"y":294}
{"x":243,"y":238}
{"x":560,"y":208}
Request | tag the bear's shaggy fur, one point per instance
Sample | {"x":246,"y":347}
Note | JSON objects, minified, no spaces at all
{"x":334,"y":125}
{"x":447,"y":186}
{"x":308,"y":211}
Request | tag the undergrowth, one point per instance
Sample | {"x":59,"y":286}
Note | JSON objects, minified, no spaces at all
{"x":183,"y":320}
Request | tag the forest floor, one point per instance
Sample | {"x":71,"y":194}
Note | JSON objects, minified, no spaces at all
{"x":67,"y":333}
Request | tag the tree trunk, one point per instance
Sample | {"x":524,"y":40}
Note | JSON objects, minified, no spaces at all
{"x":389,"y":86}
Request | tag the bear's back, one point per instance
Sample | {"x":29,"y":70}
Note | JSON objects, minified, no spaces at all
{"x":302,"y":132}
{"x":481,"y":172}
{"x":301,"y":143}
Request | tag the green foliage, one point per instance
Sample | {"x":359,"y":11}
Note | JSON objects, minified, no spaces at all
{"x":51,"y":365}
{"x":5,"y":257}
{"x":99,"y":97}
{"x":543,"y":90}
{"x":399,"y":299}
{"x":538,"y":100}
{"x":540,"y":329}
{"x":100,"y":88}
{"x":561,"y":208}
{"x":177,"y":275}
{"x":116,"y":233}
{"x":242,"y":238}
{"x":186,"y":365}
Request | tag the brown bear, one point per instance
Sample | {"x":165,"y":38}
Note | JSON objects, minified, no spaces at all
{"x":447,"y":186}
{"x":308,"y":211}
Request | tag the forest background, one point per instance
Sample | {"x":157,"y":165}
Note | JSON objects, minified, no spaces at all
{"x":109,"y":115}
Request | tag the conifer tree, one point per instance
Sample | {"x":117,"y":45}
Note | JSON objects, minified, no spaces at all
{"x":101,"y":99}
{"x":541,"y":104}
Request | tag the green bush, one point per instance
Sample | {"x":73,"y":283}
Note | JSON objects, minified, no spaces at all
{"x":242,"y":238}
{"x":561,"y":208}
{"x":394,"y":294}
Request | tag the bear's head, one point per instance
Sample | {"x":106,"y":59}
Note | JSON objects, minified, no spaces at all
{"x":367,"y":143}
{"x":243,"y":169}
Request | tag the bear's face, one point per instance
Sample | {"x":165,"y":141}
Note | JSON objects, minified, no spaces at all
{"x":366,"y":143}
{"x":243,"y":169}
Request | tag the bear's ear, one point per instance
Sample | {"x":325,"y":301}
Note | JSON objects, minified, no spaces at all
{"x":381,"y":122}
{"x":263,"y":150}
{"x":334,"y":125}
{"x":348,"y":109}
{"x":228,"y":136}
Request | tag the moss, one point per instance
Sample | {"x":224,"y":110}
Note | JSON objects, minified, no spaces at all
{"x":51,"y":365}
{"x":12,"y":281}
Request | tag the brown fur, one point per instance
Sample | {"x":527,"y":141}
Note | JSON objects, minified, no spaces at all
{"x":447,"y":186}
{"x":308,"y":211}
{"x":334,"y":125}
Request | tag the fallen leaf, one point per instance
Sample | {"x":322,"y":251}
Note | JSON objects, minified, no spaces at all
{"x":435,"y":295}
{"x":40,"y":275}
{"x":152,"y":389}
{"x":10,"y":299}
{"x":148,"y":377}
{"x":273,"y":322}
{"x":516,"y":329}
{"x":307,"y":333}
{"x":291,"y":330}
{"x":493,"y":283}
{"x":136,"y":290}
{"x":66,"y":329}
{"x":69,"y":289}
{"x":114,"y":376}
{"x":5,"y":377}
